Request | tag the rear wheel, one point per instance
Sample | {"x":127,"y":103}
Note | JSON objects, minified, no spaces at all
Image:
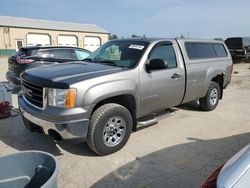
{"x":110,"y":129}
{"x":211,"y":100}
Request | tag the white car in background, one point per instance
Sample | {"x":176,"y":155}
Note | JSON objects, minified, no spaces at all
{"x":235,"y":173}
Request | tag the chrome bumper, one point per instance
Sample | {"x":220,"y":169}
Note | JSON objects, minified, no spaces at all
{"x":74,"y":129}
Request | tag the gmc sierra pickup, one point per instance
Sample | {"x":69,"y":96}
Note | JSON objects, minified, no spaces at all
{"x":102,"y":99}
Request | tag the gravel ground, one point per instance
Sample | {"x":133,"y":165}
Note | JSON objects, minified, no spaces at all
{"x":179,"y":151}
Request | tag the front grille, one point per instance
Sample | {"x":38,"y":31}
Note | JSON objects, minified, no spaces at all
{"x":33,"y":93}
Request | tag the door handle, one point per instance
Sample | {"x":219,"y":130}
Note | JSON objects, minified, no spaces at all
{"x":175,"y":76}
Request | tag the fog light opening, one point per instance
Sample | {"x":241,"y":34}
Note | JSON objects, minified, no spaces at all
{"x":55,"y":135}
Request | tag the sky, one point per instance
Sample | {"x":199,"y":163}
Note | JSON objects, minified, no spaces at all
{"x":152,"y":18}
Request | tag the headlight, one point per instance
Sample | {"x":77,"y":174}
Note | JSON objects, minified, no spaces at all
{"x":62,"y":98}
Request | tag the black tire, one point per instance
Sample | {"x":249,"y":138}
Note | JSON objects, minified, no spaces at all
{"x":99,"y":122}
{"x":207,"y":103}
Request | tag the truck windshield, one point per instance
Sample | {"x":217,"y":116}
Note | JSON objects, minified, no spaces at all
{"x":119,"y":53}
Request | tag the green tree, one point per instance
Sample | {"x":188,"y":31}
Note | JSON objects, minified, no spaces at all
{"x":113,"y":36}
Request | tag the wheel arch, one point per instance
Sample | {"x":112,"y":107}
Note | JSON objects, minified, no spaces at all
{"x":126,"y":100}
{"x":219,"y":78}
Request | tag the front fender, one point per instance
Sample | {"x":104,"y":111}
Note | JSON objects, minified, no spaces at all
{"x":106,"y":90}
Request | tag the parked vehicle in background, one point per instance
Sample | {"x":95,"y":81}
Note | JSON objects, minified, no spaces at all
{"x":121,"y":85}
{"x":238,"y":46}
{"x":220,"y":39}
{"x":35,"y":56}
{"x":233,"y":174}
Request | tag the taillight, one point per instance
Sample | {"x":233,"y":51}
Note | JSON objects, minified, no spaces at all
{"x":212,"y":179}
{"x":24,"y":61}
{"x":242,"y":46}
{"x":231,"y":70}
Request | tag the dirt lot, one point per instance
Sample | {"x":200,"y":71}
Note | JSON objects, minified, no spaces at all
{"x":179,"y":151}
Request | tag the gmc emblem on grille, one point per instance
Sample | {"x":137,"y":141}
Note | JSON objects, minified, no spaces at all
{"x":27,"y":91}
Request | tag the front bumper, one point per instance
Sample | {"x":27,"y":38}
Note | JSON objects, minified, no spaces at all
{"x":13,"y":77}
{"x":69,"y":128}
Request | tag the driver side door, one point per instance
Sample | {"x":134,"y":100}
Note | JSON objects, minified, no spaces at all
{"x":162,"y":88}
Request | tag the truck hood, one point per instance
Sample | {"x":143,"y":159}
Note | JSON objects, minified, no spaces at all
{"x":62,"y":75}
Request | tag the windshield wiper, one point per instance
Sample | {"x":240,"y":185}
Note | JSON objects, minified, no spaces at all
{"x":88,"y":59}
{"x":107,"y":62}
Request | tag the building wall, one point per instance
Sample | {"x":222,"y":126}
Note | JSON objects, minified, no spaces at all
{"x":6,"y":48}
{"x":9,"y":35}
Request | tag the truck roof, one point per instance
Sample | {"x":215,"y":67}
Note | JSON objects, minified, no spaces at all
{"x":141,"y":39}
{"x":164,"y":39}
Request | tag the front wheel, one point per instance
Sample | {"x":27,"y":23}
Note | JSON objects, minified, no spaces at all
{"x":110,"y":129}
{"x":211,"y":100}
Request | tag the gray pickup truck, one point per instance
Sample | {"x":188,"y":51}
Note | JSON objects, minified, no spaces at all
{"x":102,"y":99}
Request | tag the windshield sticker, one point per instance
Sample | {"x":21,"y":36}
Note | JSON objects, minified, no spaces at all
{"x":134,"y":46}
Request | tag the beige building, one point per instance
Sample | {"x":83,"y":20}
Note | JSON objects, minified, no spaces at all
{"x":17,"y":32}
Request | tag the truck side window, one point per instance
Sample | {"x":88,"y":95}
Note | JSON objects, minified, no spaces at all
{"x":201,"y":50}
{"x":165,"y":52}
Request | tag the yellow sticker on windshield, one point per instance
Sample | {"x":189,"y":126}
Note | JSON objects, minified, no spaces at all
{"x":134,"y":46}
